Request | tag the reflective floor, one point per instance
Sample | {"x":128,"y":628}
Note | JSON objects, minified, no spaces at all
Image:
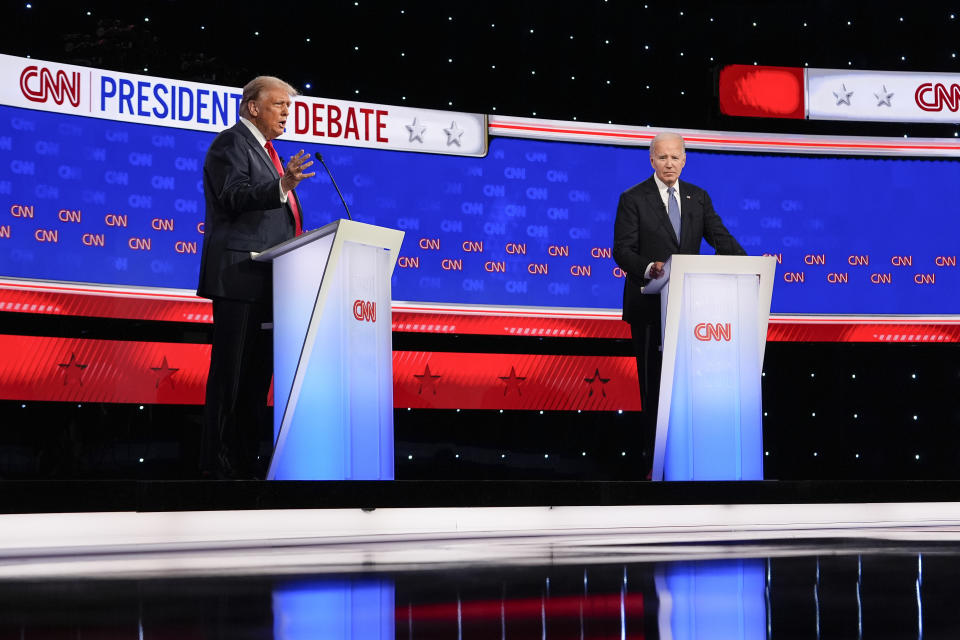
{"x":823,"y":589}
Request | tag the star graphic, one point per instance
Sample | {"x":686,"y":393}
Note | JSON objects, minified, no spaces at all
{"x":164,"y":372}
{"x":67,"y":369}
{"x":596,"y":382}
{"x":416,"y":131}
{"x":453,"y":134}
{"x":427,"y":380}
{"x":844,"y":96}
{"x":512,"y":381}
{"x":883,"y":98}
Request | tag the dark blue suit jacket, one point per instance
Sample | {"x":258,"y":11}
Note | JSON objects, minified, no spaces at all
{"x":642,"y":234}
{"x":244,"y":213}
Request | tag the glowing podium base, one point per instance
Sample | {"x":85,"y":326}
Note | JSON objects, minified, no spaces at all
{"x":715,"y":314}
{"x":333,"y":353}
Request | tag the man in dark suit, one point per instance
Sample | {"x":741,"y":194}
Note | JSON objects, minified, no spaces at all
{"x":250,"y":206}
{"x":657,"y":218}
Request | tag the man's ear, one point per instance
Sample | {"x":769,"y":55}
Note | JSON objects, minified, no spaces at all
{"x":253,"y":108}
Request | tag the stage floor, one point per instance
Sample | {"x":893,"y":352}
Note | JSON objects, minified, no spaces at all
{"x":687,"y":569}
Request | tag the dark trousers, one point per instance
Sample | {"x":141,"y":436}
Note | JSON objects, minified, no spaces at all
{"x":236,"y":418}
{"x":646,"y":347}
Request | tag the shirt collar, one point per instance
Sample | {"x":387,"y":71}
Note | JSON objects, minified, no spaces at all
{"x":256,"y":132}
{"x":662,"y":186}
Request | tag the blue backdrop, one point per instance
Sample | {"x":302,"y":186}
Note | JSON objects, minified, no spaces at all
{"x":531,"y":224}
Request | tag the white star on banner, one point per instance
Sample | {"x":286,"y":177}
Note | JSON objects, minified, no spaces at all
{"x":844,"y":96}
{"x":416,"y":131}
{"x":883,"y":98}
{"x":453,"y":134}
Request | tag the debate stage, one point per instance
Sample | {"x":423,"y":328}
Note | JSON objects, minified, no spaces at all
{"x":408,"y":559}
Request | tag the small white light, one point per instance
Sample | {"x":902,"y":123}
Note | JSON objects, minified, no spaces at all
{"x":583,"y":453}
{"x":764,"y":414}
{"x":914,"y":417}
{"x":449,"y":59}
{"x":914,"y":376}
{"x":766,"y":453}
{"x":308,"y":86}
{"x":541,"y":411}
{"x":146,"y":19}
{"x":916,"y":457}
{"x":141,"y":407}
{"x":458,"y":410}
{"x":546,"y":455}
{"x":356,"y":48}
{"x":856,"y":415}
{"x":619,"y":410}
{"x":578,"y":410}
{"x":502,"y":456}
{"x":409,"y":408}
{"x":410,"y":457}
{"x":812,"y":375}
{"x":501,"y":410}
{"x":256,"y":33}
{"x":754,"y":24}
{"x":308,"y":39}
{"x":813,"y":414}
{"x":23,"y":406}
{"x":141,"y":459}
{"x":814,"y":454}
{"x":623,"y":453}
{"x":853,"y":376}
{"x":457,"y":456}
{"x":857,"y":456}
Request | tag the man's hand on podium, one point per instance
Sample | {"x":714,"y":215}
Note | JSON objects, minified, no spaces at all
{"x":656,"y":270}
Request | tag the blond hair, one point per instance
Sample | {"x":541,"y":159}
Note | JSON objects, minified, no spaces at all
{"x":253,"y":89}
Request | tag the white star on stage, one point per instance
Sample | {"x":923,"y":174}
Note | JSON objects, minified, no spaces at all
{"x":453,"y":134}
{"x":883,"y":98}
{"x":416,"y":131}
{"x":844,"y":96}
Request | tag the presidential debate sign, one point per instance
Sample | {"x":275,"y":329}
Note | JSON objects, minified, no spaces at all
{"x":101,"y":183}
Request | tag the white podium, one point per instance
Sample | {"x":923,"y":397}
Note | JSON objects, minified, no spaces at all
{"x":333,"y":353}
{"x":715,"y":311}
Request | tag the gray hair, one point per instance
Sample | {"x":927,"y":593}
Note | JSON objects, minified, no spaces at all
{"x":253,"y":89}
{"x":664,"y":136}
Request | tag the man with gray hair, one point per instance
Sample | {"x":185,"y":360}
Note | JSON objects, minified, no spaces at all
{"x":251,"y":205}
{"x":657,"y":218}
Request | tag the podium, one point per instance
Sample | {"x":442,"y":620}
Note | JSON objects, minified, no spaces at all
{"x":715,"y":311}
{"x":333,"y":353}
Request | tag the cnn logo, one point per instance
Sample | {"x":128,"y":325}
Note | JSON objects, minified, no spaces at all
{"x":707,"y":331}
{"x":364,"y":310}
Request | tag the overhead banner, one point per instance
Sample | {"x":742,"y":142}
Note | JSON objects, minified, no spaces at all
{"x":839,"y":94}
{"x":126,"y":97}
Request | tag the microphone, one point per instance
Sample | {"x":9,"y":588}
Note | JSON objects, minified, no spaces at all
{"x":320,"y":158}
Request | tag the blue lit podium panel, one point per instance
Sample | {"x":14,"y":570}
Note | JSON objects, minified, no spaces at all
{"x":715,"y":313}
{"x":333,"y":367}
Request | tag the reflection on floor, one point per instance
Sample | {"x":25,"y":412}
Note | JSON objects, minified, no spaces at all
{"x":826,"y":588}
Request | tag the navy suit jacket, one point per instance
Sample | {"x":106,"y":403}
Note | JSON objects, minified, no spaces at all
{"x":642,"y":234}
{"x":243,"y":214}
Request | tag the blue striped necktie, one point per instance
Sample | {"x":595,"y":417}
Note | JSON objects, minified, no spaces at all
{"x":673,"y":210}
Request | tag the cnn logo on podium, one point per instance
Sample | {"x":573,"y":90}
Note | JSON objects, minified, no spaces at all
{"x":713,"y":331}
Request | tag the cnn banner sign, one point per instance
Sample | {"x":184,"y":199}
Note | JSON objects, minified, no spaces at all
{"x":125,"y":97}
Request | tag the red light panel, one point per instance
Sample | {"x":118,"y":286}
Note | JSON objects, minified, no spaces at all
{"x":762,"y":92}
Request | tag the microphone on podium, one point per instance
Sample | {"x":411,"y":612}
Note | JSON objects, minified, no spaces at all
{"x":320,"y":158}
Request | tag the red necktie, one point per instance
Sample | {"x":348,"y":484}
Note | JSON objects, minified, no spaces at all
{"x":291,"y":199}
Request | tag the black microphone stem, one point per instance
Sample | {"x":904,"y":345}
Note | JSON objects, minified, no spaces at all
{"x":320,"y":158}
